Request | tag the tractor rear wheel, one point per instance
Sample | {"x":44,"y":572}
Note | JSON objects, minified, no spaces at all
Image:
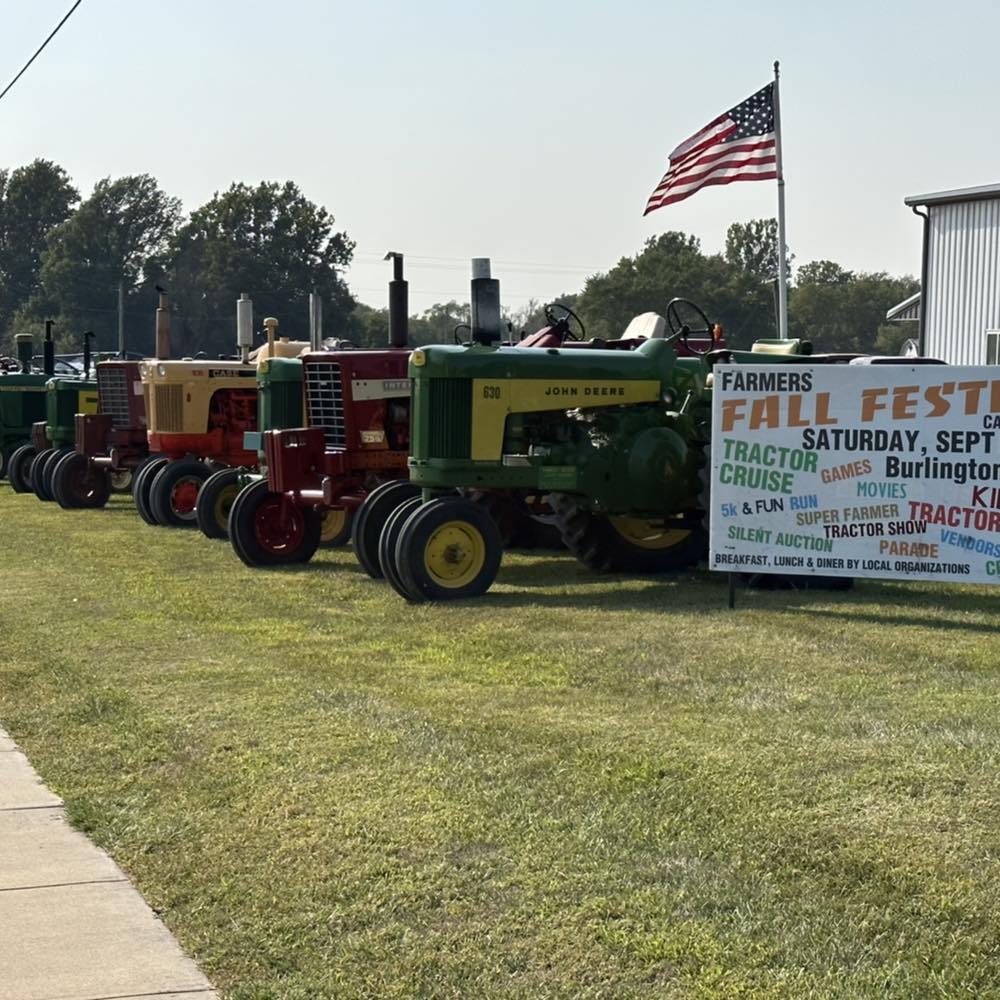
{"x":35,"y":473}
{"x":215,"y":499}
{"x":448,"y":549}
{"x":77,"y":483}
{"x":335,"y":527}
{"x":628,"y":544}
{"x":173,"y":495}
{"x":387,"y":544}
{"x":19,"y":468}
{"x":142,"y":483}
{"x":268,"y":529}
{"x":369,"y":520}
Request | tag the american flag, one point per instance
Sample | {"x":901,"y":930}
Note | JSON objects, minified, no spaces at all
{"x":737,"y":146}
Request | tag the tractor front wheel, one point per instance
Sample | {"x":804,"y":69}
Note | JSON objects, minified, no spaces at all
{"x":448,"y":549}
{"x":121,"y":480}
{"x":387,"y":544}
{"x":173,"y":496}
{"x":77,"y":483}
{"x":370,"y":518}
{"x":49,"y":471}
{"x":142,"y":482}
{"x":629,"y":544}
{"x":35,"y":479}
{"x":19,"y":468}
{"x":335,"y":527}
{"x":268,"y":529}
{"x":215,"y":499}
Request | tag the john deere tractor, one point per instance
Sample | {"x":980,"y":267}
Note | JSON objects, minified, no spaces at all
{"x":617,"y":440}
{"x":22,"y":401}
{"x":32,"y":466}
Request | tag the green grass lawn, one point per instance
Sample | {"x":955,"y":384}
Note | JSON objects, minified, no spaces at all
{"x":575,"y":787}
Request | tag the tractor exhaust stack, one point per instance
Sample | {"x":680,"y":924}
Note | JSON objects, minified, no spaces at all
{"x":162,"y":351}
{"x":399,"y":302}
{"x":25,"y":351}
{"x":49,"y":350}
{"x":315,"y":321}
{"x":270,"y":324}
{"x":487,"y":326}
{"x":244,"y":326}
{"x":87,"y":337}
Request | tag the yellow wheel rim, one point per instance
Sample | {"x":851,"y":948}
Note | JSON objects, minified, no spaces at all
{"x":223,"y":503}
{"x":455,"y":554}
{"x":333,"y":524}
{"x":648,"y":534}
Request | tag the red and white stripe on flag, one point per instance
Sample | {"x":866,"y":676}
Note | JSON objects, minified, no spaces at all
{"x":737,"y":146}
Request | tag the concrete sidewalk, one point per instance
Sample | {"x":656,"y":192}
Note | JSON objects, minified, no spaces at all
{"x":72,"y":927}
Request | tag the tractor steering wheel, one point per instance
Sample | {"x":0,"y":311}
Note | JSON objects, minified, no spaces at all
{"x":562,"y":321}
{"x":681,"y":330}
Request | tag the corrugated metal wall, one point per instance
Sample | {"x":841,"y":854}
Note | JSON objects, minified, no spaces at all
{"x":963,"y":280}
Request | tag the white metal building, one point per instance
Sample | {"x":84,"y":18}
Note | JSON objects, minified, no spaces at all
{"x":959,"y":304}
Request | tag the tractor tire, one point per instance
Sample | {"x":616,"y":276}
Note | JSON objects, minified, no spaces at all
{"x":76,"y":483}
{"x":121,"y":480}
{"x":268,"y":529}
{"x":215,"y":499}
{"x":335,"y":529}
{"x":387,"y":545}
{"x":448,"y":549}
{"x":49,"y":470}
{"x":141,"y":485}
{"x":173,"y":495}
{"x":627,"y":545}
{"x":19,"y":468}
{"x":370,"y":518}
{"x":35,"y":473}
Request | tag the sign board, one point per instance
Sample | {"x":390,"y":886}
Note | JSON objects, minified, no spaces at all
{"x":888,"y":471}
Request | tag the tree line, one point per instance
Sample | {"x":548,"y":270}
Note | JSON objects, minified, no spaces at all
{"x":68,"y":258}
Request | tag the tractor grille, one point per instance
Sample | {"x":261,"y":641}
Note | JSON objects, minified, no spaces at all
{"x":168,"y":408}
{"x":112,"y":390}
{"x":450,"y":418}
{"x":325,"y":401}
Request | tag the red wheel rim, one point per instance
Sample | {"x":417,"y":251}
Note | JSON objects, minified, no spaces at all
{"x":279,"y":525}
{"x":184,"y":497}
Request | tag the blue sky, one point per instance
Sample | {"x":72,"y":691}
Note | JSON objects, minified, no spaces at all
{"x":531,"y":133}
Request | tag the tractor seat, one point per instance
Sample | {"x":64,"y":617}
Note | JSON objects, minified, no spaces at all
{"x":781,"y":347}
{"x":648,"y":326}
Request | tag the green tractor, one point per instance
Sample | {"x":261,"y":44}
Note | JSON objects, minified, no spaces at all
{"x":22,"y":400}
{"x":618,"y":441}
{"x":53,"y":438}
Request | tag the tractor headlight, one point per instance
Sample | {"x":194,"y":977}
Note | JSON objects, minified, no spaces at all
{"x":161,"y":370}
{"x":418,"y":358}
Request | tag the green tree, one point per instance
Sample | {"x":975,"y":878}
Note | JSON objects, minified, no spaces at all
{"x":841,"y":310}
{"x":269,"y":241}
{"x":753,"y":248}
{"x":33,"y":199}
{"x":119,"y":234}
{"x":672,"y":265}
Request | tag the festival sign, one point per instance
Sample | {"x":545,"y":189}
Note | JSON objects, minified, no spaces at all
{"x":888,"y":471}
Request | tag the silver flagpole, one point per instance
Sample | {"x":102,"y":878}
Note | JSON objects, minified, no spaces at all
{"x":782,"y":267}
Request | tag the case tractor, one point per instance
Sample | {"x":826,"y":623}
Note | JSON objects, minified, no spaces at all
{"x":197,"y":411}
{"x":617,"y":440}
{"x":33,"y":465}
{"x":357,"y":437}
{"x":22,"y":400}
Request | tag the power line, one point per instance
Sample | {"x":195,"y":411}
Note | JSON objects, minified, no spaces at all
{"x":39,"y":51}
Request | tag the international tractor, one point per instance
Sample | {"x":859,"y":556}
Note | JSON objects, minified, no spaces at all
{"x":111,"y":444}
{"x":32,"y":466}
{"x":357,"y":438}
{"x":617,"y":441}
{"x":22,"y":400}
